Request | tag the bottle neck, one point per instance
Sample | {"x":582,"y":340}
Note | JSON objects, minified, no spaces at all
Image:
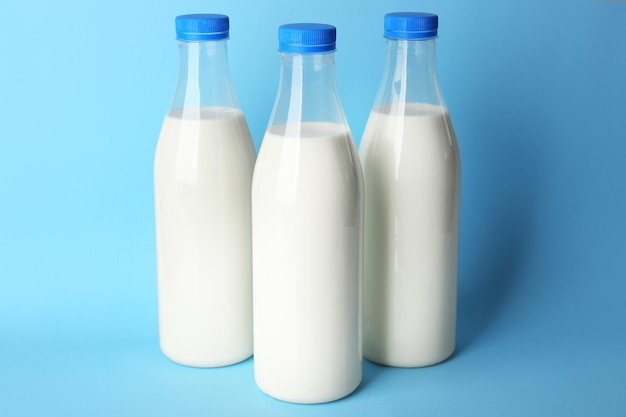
{"x":203,"y":76}
{"x":409,"y":76}
{"x":307,"y":90}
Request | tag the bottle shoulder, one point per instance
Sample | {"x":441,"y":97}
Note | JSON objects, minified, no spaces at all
{"x":206,"y":138}
{"x":409,"y":135}
{"x":320,"y":160}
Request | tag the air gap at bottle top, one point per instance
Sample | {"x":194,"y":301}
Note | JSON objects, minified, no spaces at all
{"x":307,"y":202}
{"x":412,"y":174}
{"x":202,"y":178}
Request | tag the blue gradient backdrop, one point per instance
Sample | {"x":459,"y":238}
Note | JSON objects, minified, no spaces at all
{"x":537,"y":93}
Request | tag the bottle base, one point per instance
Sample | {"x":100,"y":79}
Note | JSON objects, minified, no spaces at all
{"x":204,"y":362}
{"x":409,"y":362}
{"x":306,"y":398}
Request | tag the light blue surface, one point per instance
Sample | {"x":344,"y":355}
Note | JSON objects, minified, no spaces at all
{"x":537,"y":94}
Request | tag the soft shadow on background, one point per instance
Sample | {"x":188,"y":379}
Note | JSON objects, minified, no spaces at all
{"x":494,"y":247}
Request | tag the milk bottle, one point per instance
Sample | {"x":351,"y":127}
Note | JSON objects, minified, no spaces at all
{"x":307,"y":213}
{"x":202,"y":178}
{"x":412,"y":182}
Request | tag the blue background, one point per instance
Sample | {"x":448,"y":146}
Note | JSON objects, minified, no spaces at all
{"x":537,"y":94}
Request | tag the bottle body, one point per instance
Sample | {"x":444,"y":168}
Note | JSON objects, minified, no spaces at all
{"x":307,"y":217}
{"x":202,"y":179}
{"x":307,"y":225}
{"x":411,"y":167}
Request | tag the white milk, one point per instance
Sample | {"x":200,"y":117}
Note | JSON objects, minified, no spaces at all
{"x":202,"y":177}
{"x":307,"y":201}
{"x":412,"y":182}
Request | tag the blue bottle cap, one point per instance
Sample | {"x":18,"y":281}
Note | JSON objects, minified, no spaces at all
{"x":306,"y":37}
{"x":202,"y":27}
{"x":409,"y":25}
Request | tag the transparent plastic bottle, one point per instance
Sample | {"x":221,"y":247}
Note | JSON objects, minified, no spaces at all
{"x":202,"y":179}
{"x":412,"y":174}
{"x":307,"y":211}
